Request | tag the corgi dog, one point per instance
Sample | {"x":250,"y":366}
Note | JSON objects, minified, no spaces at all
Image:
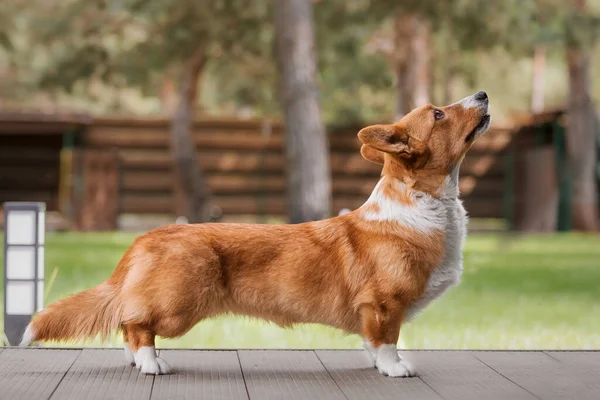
{"x":366,"y":272}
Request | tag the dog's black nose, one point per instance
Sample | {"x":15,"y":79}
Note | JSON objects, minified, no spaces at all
{"x":482,"y":96}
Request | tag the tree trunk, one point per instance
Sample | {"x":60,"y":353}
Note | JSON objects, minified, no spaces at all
{"x":411,"y":51}
{"x":433,"y":77}
{"x":537,"y":79}
{"x":404,"y":80}
{"x":581,"y":132}
{"x":581,"y":142}
{"x":309,"y":182}
{"x":450,"y":63}
{"x":421,"y":48}
{"x":191,"y":191}
{"x":168,"y":98}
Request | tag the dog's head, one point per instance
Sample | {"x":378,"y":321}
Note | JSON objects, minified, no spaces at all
{"x":429,"y":142}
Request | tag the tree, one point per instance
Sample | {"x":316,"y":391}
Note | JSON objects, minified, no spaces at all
{"x":309,"y":186}
{"x":185,"y":37}
{"x":581,"y":132}
{"x":144,"y":43}
{"x":412,"y":62}
{"x":456,"y":26}
{"x":191,"y":191}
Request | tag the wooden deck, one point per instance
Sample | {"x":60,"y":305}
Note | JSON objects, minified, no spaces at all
{"x":41,"y":373}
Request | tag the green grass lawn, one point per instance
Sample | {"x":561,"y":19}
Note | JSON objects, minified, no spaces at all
{"x":516,"y":293}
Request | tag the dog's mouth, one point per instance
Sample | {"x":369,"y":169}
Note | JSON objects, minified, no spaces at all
{"x":480,"y":128}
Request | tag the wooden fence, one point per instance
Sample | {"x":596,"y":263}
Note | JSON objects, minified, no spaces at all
{"x":30,"y":155}
{"x":245,"y":165}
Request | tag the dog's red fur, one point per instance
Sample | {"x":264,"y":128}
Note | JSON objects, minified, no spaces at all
{"x":335,"y":271}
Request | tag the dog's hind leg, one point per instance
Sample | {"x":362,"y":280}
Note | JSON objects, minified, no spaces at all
{"x":141,"y":342}
{"x":129,"y":356}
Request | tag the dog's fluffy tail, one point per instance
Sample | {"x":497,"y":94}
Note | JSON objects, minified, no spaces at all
{"x":80,"y":316}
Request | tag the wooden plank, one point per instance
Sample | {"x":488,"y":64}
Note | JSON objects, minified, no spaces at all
{"x":220,"y":161}
{"x":156,"y":203}
{"x":579,"y":359}
{"x":32,"y":177}
{"x":159,"y":139}
{"x":583,"y":366}
{"x":493,"y":141}
{"x":458,"y":375}
{"x":233,"y":161}
{"x":33,"y":373}
{"x":37,"y":128}
{"x":200,"y":122}
{"x":342,"y":163}
{"x":103,"y":374}
{"x":228,"y":183}
{"x":144,"y":179}
{"x":357,"y":378}
{"x":219,"y":184}
{"x":484,"y":207}
{"x":223,"y":184}
{"x":163,"y":204}
{"x":276,"y":204}
{"x":21,"y":155}
{"x":200,"y":375}
{"x":479,"y":166}
{"x":543,"y":375}
{"x":487,"y":186}
{"x":272,"y":374}
{"x":227,"y":139}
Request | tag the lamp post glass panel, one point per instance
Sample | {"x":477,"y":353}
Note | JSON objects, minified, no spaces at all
{"x":24,"y":232}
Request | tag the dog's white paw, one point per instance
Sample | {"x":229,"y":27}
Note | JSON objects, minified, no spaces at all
{"x":148,"y":363}
{"x":129,"y":357}
{"x":158,"y":366}
{"x":371,"y":352}
{"x":390,"y":364}
{"x":398,"y":369}
{"x":163,"y":367}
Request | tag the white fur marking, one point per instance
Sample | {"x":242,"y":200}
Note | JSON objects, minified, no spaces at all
{"x":147,"y":361}
{"x":470,"y":102}
{"x":448,"y":273}
{"x":426,"y":215}
{"x":371,"y":352}
{"x":390,"y":364}
{"x":28,"y":336}
{"x":129,"y":356}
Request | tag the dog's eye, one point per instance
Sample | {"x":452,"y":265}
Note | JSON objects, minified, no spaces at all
{"x":439,"y":114}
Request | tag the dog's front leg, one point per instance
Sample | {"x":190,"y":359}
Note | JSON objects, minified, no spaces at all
{"x":380,"y":331}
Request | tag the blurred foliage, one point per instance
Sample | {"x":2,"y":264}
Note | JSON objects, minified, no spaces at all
{"x":114,"y":55}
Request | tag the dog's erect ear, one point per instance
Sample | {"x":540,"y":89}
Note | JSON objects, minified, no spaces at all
{"x":392,"y":139}
{"x":370,"y":154}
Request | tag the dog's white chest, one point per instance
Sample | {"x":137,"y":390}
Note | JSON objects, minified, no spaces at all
{"x":448,"y":273}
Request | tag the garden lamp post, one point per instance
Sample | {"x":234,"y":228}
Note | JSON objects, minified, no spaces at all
{"x":24,"y":231}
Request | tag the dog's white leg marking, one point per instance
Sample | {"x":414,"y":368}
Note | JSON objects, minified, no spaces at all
{"x":390,"y":364}
{"x":147,"y":361}
{"x":371,"y":352}
{"x":28,"y":336}
{"x":129,"y":356}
